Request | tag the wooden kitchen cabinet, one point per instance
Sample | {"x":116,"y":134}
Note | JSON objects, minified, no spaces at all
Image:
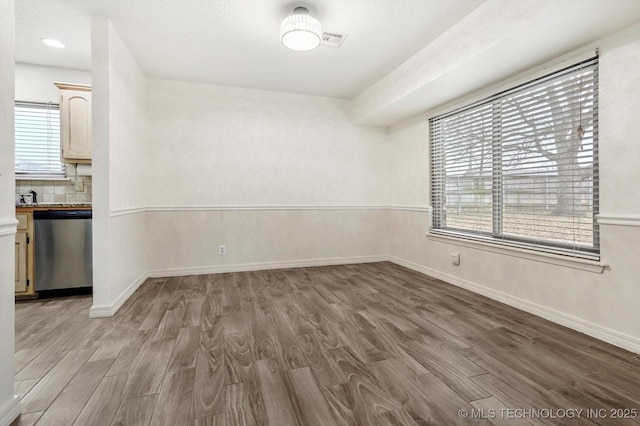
{"x":24,"y":283}
{"x":75,"y":122}
{"x":21,"y":262}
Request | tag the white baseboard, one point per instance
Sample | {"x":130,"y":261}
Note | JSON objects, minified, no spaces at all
{"x":244,"y":267}
{"x":10,"y":411}
{"x":101,"y":311}
{"x":110,"y":310}
{"x":608,"y":335}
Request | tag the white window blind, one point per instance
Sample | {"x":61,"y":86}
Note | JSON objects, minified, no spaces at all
{"x":38,"y":139}
{"x":521,"y":167}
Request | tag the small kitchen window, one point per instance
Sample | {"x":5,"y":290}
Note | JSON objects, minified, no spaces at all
{"x":37,"y":127}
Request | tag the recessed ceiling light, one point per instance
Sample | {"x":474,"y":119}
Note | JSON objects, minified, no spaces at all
{"x":53,"y":43}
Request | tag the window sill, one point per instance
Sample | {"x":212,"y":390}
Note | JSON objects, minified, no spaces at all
{"x":42,"y":177}
{"x":537,"y":256}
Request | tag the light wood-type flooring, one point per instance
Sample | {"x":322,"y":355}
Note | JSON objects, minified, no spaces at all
{"x":360,"y":344}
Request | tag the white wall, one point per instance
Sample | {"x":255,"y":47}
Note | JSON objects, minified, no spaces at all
{"x":213,"y":145}
{"x":118,"y":135}
{"x":604,"y":305}
{"x":9,"y":403}
{"x":309,"y":182}
{"x":34,"y":83}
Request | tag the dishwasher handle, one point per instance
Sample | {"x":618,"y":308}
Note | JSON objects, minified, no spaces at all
{"x":62,"y":214}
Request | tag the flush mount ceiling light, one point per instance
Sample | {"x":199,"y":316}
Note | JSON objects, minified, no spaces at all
{"x":53,"y":43}
{"x":301,"y":31}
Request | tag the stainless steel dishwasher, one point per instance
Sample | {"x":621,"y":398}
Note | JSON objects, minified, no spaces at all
{"x":63,"y":250}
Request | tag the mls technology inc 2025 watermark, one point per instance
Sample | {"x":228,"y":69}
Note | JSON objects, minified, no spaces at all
{"x":548,"y":413}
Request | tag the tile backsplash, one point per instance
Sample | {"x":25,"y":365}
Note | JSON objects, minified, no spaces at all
{"x":71,"y":190}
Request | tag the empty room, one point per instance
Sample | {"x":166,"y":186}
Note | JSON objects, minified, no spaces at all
{"x":321,"y":212}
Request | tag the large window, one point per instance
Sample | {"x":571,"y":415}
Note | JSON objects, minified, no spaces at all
{"x":38,"y":140}
{"x":521,"y":167}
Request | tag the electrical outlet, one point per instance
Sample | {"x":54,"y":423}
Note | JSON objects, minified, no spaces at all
{"x":79,"y":186}
{"x":222,"y":250}
{"x":455,"y":258}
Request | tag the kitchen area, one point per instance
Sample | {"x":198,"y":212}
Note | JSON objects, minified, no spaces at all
{"x":53,"y":248}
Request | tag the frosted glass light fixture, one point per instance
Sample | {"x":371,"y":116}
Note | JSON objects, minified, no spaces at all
{"x":53,"y":43}
{"x":301,"y":31}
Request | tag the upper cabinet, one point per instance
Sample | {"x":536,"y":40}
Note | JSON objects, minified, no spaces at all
{"x":75,"y":122}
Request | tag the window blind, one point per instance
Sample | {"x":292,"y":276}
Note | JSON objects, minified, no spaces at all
{"x":37,"y":127}
{"x":521,"y":167}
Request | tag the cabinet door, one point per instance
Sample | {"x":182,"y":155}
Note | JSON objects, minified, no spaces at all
{"x":21,"y":262}
{"x":75,"y":126}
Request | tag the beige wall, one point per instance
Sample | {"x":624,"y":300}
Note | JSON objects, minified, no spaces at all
{"x":213,"y":145}
{"x":9,"y":403}
{"x":604,"y":305}
{"x":278,"y":178}
{"x":118,"y":133}
{"x":618,"y":123}
{"x":186,"y":242}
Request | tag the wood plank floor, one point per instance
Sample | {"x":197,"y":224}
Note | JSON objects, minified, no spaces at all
{"x":361,"y":344}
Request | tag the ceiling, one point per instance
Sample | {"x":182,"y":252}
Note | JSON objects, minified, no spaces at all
{"x":236,"y":42}
{"x":500,"y":43}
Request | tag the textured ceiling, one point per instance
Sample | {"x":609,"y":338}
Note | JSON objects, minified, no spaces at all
{"x":236,"y":42}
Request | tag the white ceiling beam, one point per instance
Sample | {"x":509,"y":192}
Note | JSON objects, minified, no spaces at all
{"x":499,"y":39}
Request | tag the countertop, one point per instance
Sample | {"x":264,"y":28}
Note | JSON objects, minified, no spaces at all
{"x":83,"y":205}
